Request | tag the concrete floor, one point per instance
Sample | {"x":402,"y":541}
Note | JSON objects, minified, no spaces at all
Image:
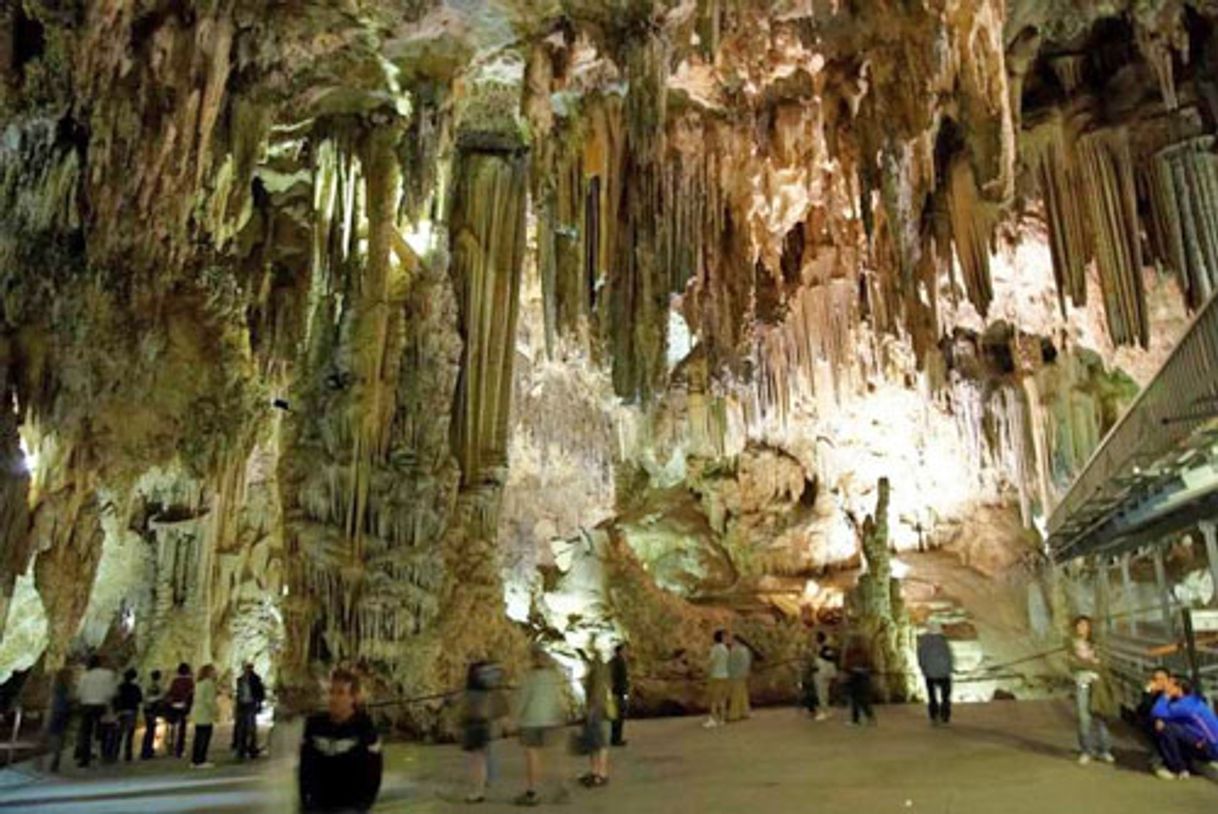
{"x":1005,"y":758}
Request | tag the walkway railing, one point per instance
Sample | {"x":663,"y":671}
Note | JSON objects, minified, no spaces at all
{"x":1181,"y":399}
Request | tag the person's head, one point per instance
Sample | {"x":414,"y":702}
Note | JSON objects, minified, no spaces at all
{"x":728,"y":638}
{"x":473,"y":676}
{"x":1159,"y":678}
{"x":130,"y":674}
{"x":207,"y":671}
{"x":1082,"y":627}
{"x":621,"y":649}
{"x":155,"y":675}
{"x":821,"y":638}
{"x":183,"y":669}
{"x":94,"y":662}
{"x":248,"y":668}
{"x":720,"y":636}
{"x":344,"y":695}
{"x":1175,"y":687}
{"x":63,"y":677}
{"x":934,"y":628}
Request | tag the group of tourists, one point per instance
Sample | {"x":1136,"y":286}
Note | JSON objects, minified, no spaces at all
{"x":1174,"y":720}
{"x":730,"y":664}
{"x":109,"y":711}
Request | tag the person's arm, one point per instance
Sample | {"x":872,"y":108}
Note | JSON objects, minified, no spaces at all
{"x":374,"y":764}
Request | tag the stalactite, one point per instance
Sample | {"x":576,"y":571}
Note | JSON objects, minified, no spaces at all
{"x":1184,"y":205}
{"x":1106,"y":167}
{"x":973,"y":222}
{"x":1070,"y":240}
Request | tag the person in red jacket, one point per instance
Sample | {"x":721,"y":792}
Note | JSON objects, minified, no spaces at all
{"x":178,"y":701}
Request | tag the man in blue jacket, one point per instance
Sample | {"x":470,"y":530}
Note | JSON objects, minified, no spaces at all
{"x":1187,"y":730}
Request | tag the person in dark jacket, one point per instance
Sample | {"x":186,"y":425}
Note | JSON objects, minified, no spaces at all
{"x":936,"y":662}
{"x":340,"y":753}
{"x":248,"y":698}
{"x":858,"y":666}
{"x":127,"y":707}
{"x":153,"y":698}
{"x":619,"y":679}
{"x":178,"y":702}
{"x":58,"y":716}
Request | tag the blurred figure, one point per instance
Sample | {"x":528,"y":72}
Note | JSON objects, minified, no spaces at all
{"x":1186,"y":729}
{"x":538,"y":712}
{"x":178,"y":701}
{"x":597,"y":721}
{"x":827,"y":658}
{"x":1092,"y":696}
{"x":153,"y":698}
{"x":249,"y":698}
{"x":718,"y":680}
{"x":206,"y":710}
{"x":937,"y":663}
{"x":95,"y":690}
{"x":1144,"y":717}
{"x":481,"y":706}
{"x":858,"y":667}
{"x":59,"y":714}
{"x":127,"y":709}
{"x":739,"y":666}
{"x":619,"y":669}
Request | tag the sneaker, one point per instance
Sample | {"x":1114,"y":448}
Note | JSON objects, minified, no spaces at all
{"x":1164,"y":774}
{"x":821,"y":716}
{"x":529,"y":798}
{"x":475,"y":798}
{"x":1084,"y":759}
{"x":1108,"y":757}
{"x":1183,"y":776}
{"x":710,"y":723}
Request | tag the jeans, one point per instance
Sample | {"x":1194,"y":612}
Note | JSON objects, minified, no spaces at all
{"x":245,"y":731}
{"x":1093,"y":737}
{"x":201,"y":743}
{"x":90,"y":720}
{"x":619,"y":722}
{"x":860,"y":695}
{"x":177,"y":731}
{"x":126,"y":734}
{"x":147,"y":750}
{"x":939,"y":695}
{"x":1178,"y":749}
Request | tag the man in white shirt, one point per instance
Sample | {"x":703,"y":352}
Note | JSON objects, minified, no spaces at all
{"x":95,"y":690}
{"x":719,"y":683}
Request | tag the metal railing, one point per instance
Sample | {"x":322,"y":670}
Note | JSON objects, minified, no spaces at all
{"x":1182,"y":397}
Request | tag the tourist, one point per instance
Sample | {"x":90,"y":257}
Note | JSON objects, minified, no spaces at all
{"x":95,"y":690}
{"x":739,"y":665}
{"x":1186,"y":729}
{"x":718,"y":680}
{"x":340,"y":753}
{"x":249,"y":697}
{"x":936,"y":662}
{"x":827,"y":659}
{"x":1092,"y":695}
{"x":206,"y":710}
{"x":619,"y":670}
{"x":598,"y":720}
{"x":176,"y":709}
{"x":538,"y":713}
{"x":59,"y":714}
{"x":1153,"y":690}
{"x":127,"y":709}
{"x":153,"y":697}
{"x":858,"y":666}
{"x":482,"y":705}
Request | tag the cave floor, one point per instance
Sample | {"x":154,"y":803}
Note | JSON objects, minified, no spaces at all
{"x":1002,"y":758}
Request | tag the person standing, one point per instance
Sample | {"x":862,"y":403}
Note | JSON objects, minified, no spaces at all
{"x":937,"y":663}
{"x":59,"y":715}
{"x":340,"y":753}
{"x":249,"y":696}
{"x":153,"y":698}
{"x":95,"y":690}
{"x":538,"y":713}
{"x":178,"y":701}
{"x":206,"y":710}
{"x":619,"y":675}
{"x":739,"y":666}
{"x":718,"y":680}
{"x":127,"y":708}
{"x":858,"y":666}
{"x":598,"y":720}
{"x":1092,"y":699}
{"x":827,"y":659}
{"x":482,"y":705}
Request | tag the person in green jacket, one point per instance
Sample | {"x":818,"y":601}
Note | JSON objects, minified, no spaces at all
{"x":1092,"y":694}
